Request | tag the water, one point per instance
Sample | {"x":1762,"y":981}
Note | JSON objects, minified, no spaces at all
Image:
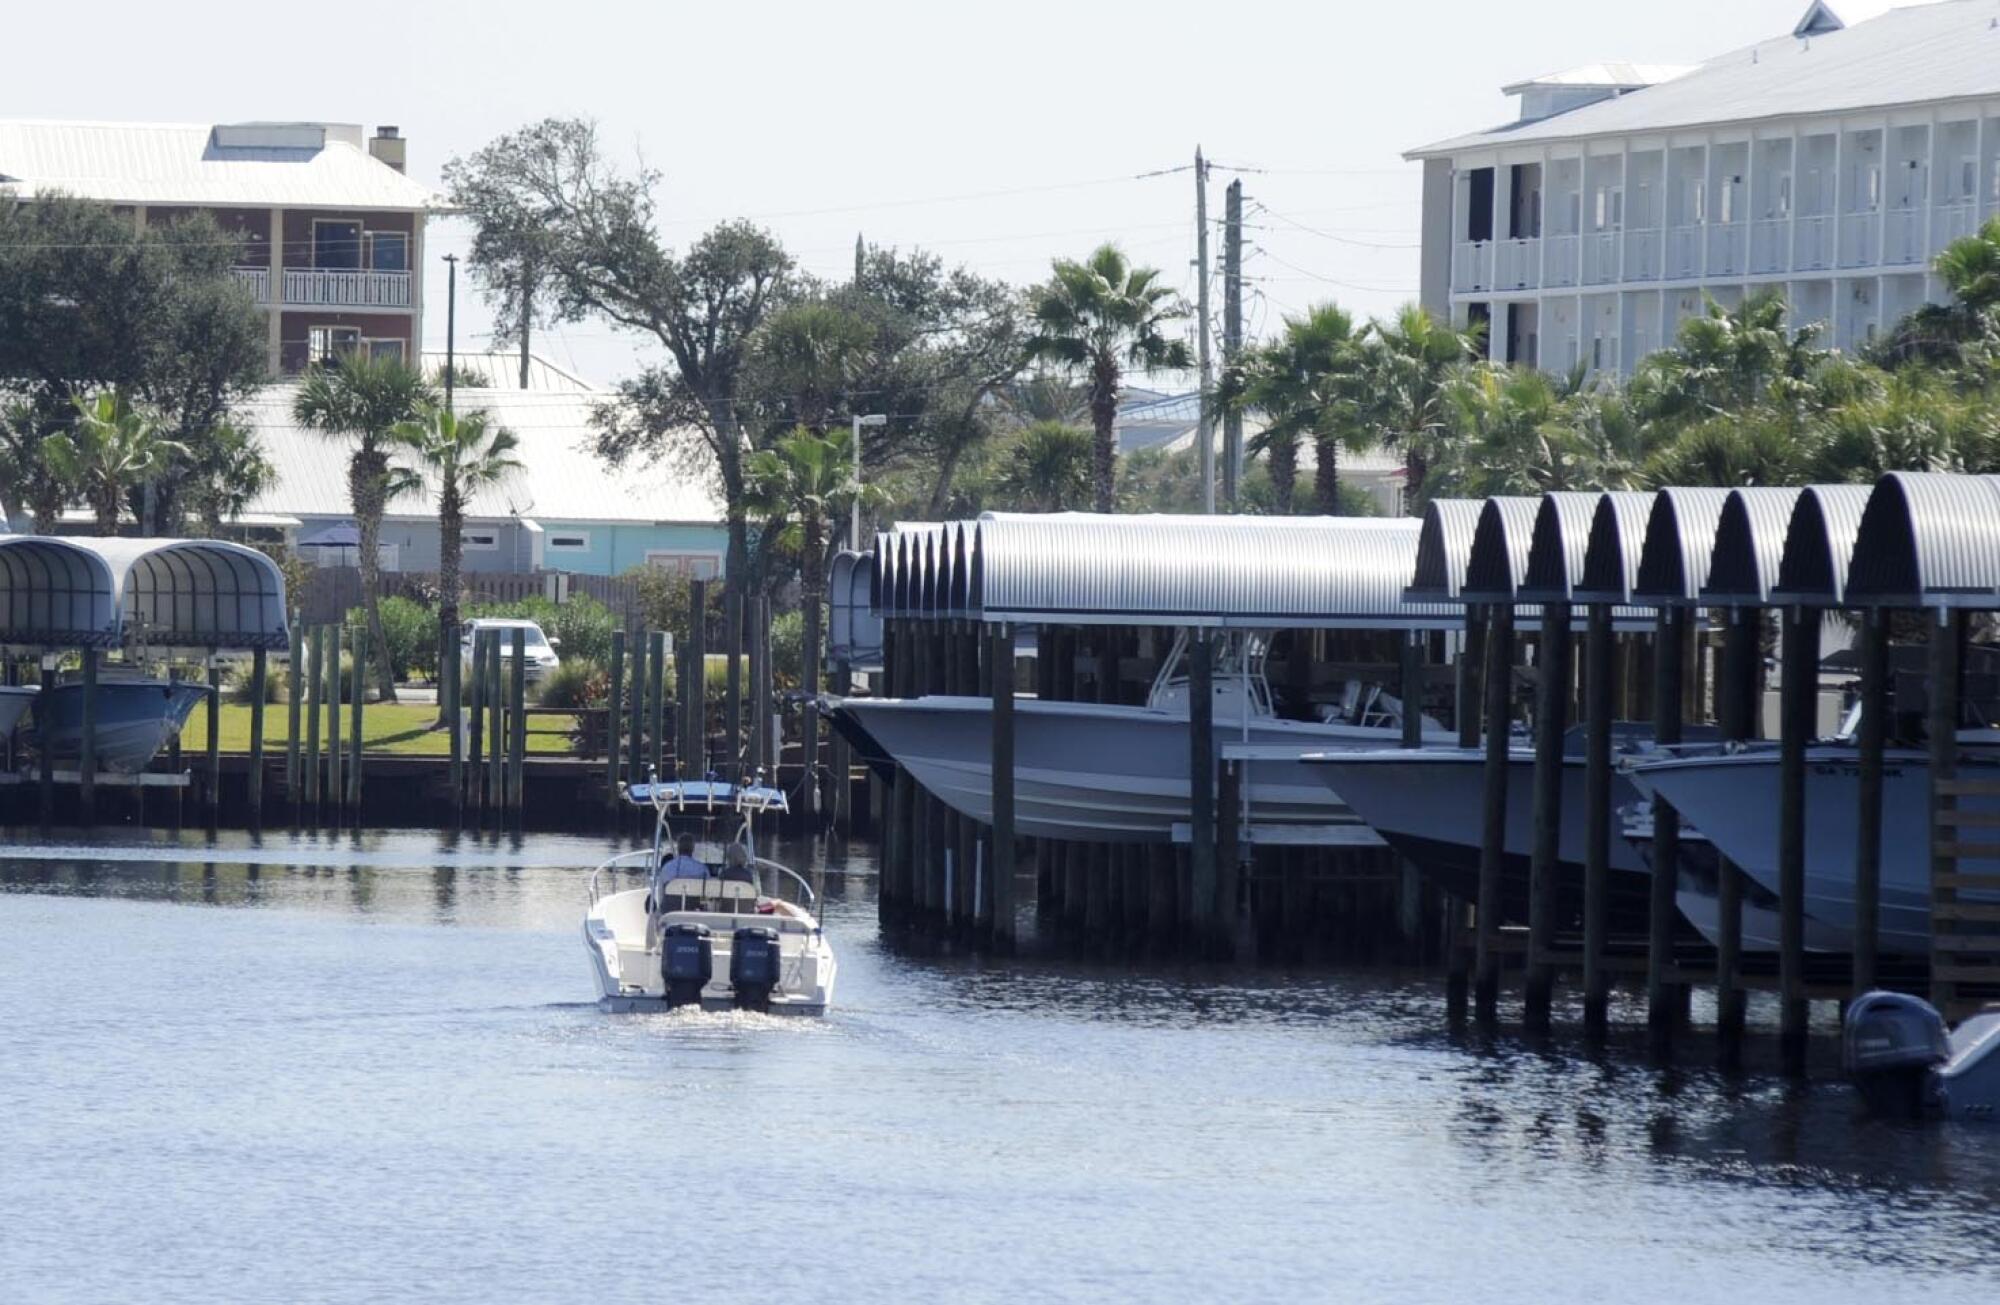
{"x":354,"y":1071}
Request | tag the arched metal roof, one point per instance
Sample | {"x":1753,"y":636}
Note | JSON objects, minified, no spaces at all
{"x":1819,"y":541}
{"x":1749,"y":546}
{"x":195,"y":593}
{"x":1928,"y":539}
{"x":1560,"y":542}
{"x":854,"y":631}
{"x":54,"y":593}
{"x":1680,"y":545}
{"x":1444,"y":547}
{"x":1613,"y":550}
{"x":1498,"y":565}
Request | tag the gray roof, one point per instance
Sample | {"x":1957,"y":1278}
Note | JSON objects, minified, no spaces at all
{"x":1680,"y":545}
{"x":1617,"y":542}
{"x":503,"y":368}
{"x":1922,"y":54}
{"x":1499,"y":561}
{"x":55,"y":592}
{"x":1560,"y":543}
{"x":1749,"y":546}
{"x":1444,"y":548}
{"x":250,"y":165}
{"x":1819,"y":542}
{"x":163,"y":593}
{"x":1928,"y":540}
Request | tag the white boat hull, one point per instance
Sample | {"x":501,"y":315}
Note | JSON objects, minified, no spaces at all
{"x":1094,"y":772}
{"x":1734,"y":801}
{"x":626,"y":963}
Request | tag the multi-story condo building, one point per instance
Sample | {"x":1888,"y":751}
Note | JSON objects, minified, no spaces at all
{"x":332,"y":230}
{"x":1832,"y":163}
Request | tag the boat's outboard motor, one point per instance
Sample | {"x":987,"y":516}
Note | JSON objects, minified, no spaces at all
{"x":686,"y":962}
{"x":753,"y":966}
{"x":1892,"y":1044}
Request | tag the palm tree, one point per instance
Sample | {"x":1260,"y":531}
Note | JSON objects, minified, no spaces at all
{"x":1047,"y":469}
{"x":460,"y":455}
{"x":1100,"y":317}
{"x":111,"y":447}
{"x":231,"y":474}
{"x":363,"y":399}
{"x":1409,"y":365}
{"x":1970,"y":268}
{"x":1306,"y":385}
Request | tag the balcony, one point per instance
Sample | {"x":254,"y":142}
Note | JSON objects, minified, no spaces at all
{"x":1770,"y":245}
{"x":1642,"y":254}
{"x":1559,"y":267}
{"x":1904,"y":242}
{"x":1471,"y":266}
{"x":1951,"y":222}
{"x":1814,"y":249}
{"x":1517,"y":264}
{"x":1683,"y":253}
{"x":1600,"y":258}
{"x":1726,"y":252}
{"x":1860,"y":239}
{"x":257,"y":280}
{"x":322,"y":288}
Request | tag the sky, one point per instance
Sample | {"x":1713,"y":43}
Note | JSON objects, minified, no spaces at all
{"x":996,"y":136}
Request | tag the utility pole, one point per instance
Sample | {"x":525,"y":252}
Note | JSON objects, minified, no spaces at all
{"x":1206,"y":428}
{"x":1232,"y":335}
{"x":860,"y":251}
{"x":450,"y":327}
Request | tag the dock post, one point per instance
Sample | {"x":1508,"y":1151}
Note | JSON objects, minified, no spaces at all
{"x":612,"y":719}
{"x":47,"y":763}
{"x":1465,"y":718}
{"x":87,"y":754}
{"x":1600,"y":668}
{"x":1410,"y":686}
{"x":336,"y":793}
{"x":967,"y":646}
{"x":496,"y":741}
{"x":295,"y":670}
{"x":635,"y":722}
{"x":656,"y":664}
{"x":1947,"y":629}
{"x":732,"y":683}
{"x":259,"y":682}
{"x":475,"y":724}
{"x":213,"y":743}
{"x":695,"y":710}
{"x":1738,"y":683}
{"x":315,"y":690}
{"x":1499,"y":679}
{"x":1798,"y":707}
{"x":451,"y":709}
{"x":517,"y":733}
{"x":1662,"y":986}
{"x":1000,"y":655}
{"x":1201,"y":790}
{"x":357,"y":687}
{"x":840,"y":757}
{"x":1552,"y":692}
{"x":949,"y":822}
{"x":1873,"y":738}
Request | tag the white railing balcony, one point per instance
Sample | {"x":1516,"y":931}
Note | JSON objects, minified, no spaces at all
{"x":1903,"y":243}
{"x":1953,"y":222}
{"x":1601,"y":264}
{"x":1812,"y":248}
{"x":1642,"y":254}
{"x":1683,"y":253}
{"x":1517,"y":264}
{"x":1728,"y":249}
{"x":1559,"y":265}
{"x":325,"y":288}
{"x":256,"y":279}
{"x":1471,"y":266}
{"x":1770,"y":245}
{"x":1860,"y":239}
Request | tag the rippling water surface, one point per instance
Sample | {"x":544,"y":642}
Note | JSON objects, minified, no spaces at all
{"x":348,"y":1070}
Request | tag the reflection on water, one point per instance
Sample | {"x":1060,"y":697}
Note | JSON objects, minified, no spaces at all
{"x":331,"y":1096}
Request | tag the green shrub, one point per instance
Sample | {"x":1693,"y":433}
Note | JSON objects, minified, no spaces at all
{"x":788,"y":637}
{"x":412,"y":631}
{"x":236,"y":685}
{"x":579,"y":682}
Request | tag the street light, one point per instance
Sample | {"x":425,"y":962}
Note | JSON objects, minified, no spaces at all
{"x":854,"y":526}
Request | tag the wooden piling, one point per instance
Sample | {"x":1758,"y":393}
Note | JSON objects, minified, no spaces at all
{"x":212,"y":780}
{"x":656,"y":728}
{"x":1947,"y":632}
{"x":47,"y":762}
{"x":259,"y":680}
{"x":1204,"y":924}
{"x":695,"y":709}
{"x":1000,"y":652}
{"x":1552,"y":691}
{"x":295,"y":674}
{"x":1499,"y":678}
{"x":1662,"y":988}
{"x":335,"y":792}
{"x":517,"y":732}
{"x":475,"y":731}
{"x":496,"y":744}
{"x":635,"y":723}
{"x":87,"y":754}
{"x":357,"y":686}
{"x":1874,"y":734}
{"x":611,"y":718}
{"x":1798,"y":704}
{"x":1739,"y":686}
{"x":1465,"y":677}
{"x":315,"y":695}
{"x":1600,"y":662}
{"x":732,"y":692}
{"x":451,"y":710}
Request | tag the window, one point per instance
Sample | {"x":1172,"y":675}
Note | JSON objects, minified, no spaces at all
{"x":1968,"y":178}
{"x":1783,"y":207}
{"x":1698,"y":202}
{"x":379,"y":348}
{"x":336,"y":244}
{"x":327,"y":345}
{"x":481,"y":541}
{"x":569,"y":541}
{"x":388,"y":251}
{"x":695,"y":566}
{"x":1729,"y":200}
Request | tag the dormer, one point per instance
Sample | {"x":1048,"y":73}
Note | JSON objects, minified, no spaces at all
{"x":1818,"y":21}
{"x":1560,"y":92}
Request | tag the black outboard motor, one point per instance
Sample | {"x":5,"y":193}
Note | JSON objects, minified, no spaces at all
{"x":686,"y":962}
{"x":753,"y":966}
{"x":1892,"y":1043}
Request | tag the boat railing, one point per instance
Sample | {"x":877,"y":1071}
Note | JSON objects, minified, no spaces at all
{"x":810,"y":899}
{"x":642,"y":859}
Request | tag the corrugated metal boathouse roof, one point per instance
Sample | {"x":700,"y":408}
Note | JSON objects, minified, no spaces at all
{"x":1928,"y":540}
{"x":166,"y":593}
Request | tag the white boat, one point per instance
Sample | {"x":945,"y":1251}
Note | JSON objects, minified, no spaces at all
{"x":1103,"y":772}
{"x":1697,"y":892}
{"x":1733,"y":799}
{"x":15,"y":699}
{"x":136,"y":717}
{"x":727,"y":939}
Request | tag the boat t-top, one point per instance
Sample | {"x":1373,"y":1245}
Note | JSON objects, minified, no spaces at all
{"x":714,"y":929}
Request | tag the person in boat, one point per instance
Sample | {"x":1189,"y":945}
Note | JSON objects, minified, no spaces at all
{"x":736,"y":864}
{"x":683,"y":864}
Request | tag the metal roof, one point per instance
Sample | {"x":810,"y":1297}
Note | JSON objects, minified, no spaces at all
{"x":163,"y":593}
{"x":1559,"y":545}
{"x":1918,"y":55}
{"x":1819,"y":541}
{"x":1499,"y":562}
{"x":1612,"y":74}
{"x":288,"y":165}
{"x":1444,"y":547}
{"x":1680,"y":544}
{"x":1927,"y":539}
{"x":1612,"y":554}
{"x":56,"y":593}
{"x":1749,"y":546}
{"x":502,"y":367}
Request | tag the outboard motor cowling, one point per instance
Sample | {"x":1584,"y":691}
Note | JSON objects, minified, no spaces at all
{"x":754,"y":958}
{"x":687,"y":960}
{"x":1892,"y":1044}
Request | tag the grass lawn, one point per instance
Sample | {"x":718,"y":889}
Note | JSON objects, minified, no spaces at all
{"x":400,"y":728}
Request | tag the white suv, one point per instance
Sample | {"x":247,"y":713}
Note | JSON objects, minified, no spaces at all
{"x":539,"y":650}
